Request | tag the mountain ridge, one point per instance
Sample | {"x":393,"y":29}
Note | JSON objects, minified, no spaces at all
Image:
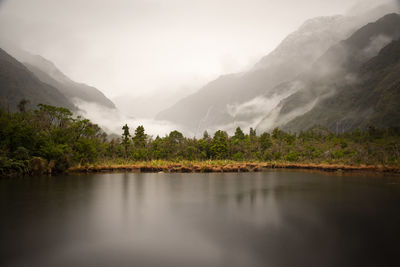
{"x":49,"y":73}
{"x":17,"y":83}
{"x":339,"y":67}
{"x":373,"y":101}
{"x":241,"y":87}
{"x":217,"y":104}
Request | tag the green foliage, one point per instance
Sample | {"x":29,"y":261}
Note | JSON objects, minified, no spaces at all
{"x":219,"y":145}
{"x":175,"y":137}
{"x":125,"y":138}
{"x":50,"y":139}
{"x":238,"y":156}
{"x":140,"y":154}
{"x":239,"y":134}
{"x":253,"y":133}
{"x":50,"y":133}
{"x":139,"y":139}
{"x":9,"y":165}
{"x":293,"y":156}
{"x":265,"y":141}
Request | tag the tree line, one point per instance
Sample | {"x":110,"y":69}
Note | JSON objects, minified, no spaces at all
{"x":52,"y":139}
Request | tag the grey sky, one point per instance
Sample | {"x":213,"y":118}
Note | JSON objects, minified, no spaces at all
{"x":136,"y":47}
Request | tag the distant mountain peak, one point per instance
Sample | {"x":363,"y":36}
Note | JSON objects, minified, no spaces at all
{"x":317,"y":23}
{"x":311,"y":39}
{"x":336,"y":88}
{"x":294,"y":55}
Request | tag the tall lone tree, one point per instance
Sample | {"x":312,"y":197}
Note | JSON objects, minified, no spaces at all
{"x":125,"y":138}
{"x":239,"y":134}
{"x":139,"y":139}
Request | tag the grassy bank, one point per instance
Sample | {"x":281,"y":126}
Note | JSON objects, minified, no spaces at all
{"x":51,"y":140}
{"x":222,"y":166}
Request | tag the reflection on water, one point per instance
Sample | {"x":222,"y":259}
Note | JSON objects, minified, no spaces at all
{"x":251,"y":219}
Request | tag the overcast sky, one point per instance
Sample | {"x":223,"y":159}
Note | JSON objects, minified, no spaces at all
{"x":137,"y":47}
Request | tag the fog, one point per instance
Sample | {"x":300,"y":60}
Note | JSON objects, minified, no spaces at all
{"x":376,"y":45}
{"x":146,"y":55}
{"x":275,"y":119}
{"x":112,"y":120}
{"x":141,"y":47}
{"x":252,"y":114}
{"x":330,"y":73}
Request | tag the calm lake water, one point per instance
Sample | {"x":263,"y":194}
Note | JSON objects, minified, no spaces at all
{"x":244,"y":219}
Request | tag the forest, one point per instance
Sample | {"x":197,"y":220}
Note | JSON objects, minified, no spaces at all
{"x":51,"y":140}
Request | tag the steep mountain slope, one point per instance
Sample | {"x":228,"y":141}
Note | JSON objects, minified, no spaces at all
{"x":17,"y":83}
{"x":373,"y":100}
{"x":337,"y":68}
{"x":216,"y":103}
{"x":48,"y":73}
{"x":243,"y":99}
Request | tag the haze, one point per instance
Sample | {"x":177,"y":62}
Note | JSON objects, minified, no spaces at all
{"x":145,"y":47}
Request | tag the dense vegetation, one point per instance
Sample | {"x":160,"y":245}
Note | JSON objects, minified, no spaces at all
{"x":50,"y":139}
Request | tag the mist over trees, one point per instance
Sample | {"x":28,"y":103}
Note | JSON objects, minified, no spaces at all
{"x":50,"y":139}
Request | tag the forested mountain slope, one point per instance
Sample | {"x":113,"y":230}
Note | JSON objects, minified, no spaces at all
{"x":372,"y":101}
{"x":340,"y":68}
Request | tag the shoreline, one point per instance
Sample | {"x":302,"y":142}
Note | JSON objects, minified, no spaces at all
{"x":230,"y":168}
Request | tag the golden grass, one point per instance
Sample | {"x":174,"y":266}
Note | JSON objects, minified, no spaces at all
{"x":220,"y":166}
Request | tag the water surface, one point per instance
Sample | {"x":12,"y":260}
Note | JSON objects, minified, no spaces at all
{"x":243,"y":219}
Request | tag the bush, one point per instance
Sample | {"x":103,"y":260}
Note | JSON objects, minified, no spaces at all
{"x":339,"y":154}
{"x":238,"y":156}
{"x":293,"y":156}
{"x":21,"y":153}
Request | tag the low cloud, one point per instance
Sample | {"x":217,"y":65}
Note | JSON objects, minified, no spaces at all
{"x":112,"y":120}
{"x":256,"y":106}
{"x":376,"y":45}
{"x":249,"y":114}
{"x":276,"y":119}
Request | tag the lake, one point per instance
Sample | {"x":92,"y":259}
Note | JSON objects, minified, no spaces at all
{"x":274,"y":218}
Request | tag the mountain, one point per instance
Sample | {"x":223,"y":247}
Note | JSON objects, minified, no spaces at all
{"x":373,"y":9}
{"x":244,"y":99}
{"x":17,"y":83}
{"x":372,"y":101}
{"x":216,"y":103}
{"x":340,"y":72}
{"x":48,"y":73}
